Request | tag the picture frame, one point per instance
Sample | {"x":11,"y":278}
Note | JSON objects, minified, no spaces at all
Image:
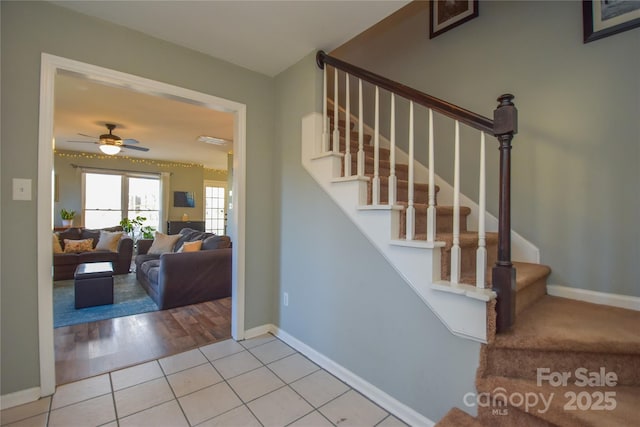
{"x":445,"y":15}
{"x":184,"y":199}
{"x":602,"y":19}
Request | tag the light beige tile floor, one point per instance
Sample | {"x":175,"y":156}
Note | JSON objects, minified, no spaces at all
{"x":257,"y":382}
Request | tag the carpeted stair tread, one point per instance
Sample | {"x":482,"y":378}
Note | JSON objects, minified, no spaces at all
{"x":555,"y":323}
{"x":560,"y":409}
{"x":458,"y":418}
{"x":528,"y":273}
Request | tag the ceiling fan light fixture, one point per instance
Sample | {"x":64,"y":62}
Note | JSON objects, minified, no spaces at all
{"x":110,"y":150}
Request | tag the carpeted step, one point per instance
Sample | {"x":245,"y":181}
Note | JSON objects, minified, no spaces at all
{"x":518,"y":402}
{"x":420,"y":191}
{"x":384,"y":167}
{"x":531,"y":284}
{"x":367,"y":145}
{"x":563,"y":335}
{"x":468,"y":250}
{"x":458,"y":418}
{"x":341,"y":123}
{"x":444,"y":219}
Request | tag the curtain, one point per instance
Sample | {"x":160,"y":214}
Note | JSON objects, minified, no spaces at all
{"x":165,"y":197}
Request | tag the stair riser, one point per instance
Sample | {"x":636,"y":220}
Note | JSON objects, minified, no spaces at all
{"x":419,"y":194}
{"x":444,"y":222}
{"x":468,"y":262}
{"x":368,"y":149}
{"x":519,"y":363}
{"x":384,"y":168}
{"x":341,"y":124}
{"x":529,"y":295}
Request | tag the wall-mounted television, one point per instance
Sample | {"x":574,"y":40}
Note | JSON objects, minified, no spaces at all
{"x":184,"y":199}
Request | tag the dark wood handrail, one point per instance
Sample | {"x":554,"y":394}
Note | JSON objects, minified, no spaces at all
{"x":503,"y":126}
{"x":450,"y":110}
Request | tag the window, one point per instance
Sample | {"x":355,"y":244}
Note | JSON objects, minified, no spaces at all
{"x":109,"y":197}
{"x":214,"y":216}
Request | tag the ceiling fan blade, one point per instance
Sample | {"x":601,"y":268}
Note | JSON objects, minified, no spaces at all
{"x":133,"y":147}
{"x":88,"y":136}
{"x":85,"y":142}
{"x":130,"y":141}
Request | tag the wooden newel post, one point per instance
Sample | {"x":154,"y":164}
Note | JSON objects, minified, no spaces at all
{"x":505,"y":119}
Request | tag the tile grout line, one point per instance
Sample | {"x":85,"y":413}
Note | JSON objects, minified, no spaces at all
{"x":232,"y":389}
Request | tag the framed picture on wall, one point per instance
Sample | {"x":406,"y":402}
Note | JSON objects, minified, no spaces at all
{"x":184,"y":199}
{"x":603,"y":18}
{"x":447,"y":14}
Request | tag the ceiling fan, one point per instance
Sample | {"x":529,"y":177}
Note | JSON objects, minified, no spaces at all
{"x":112,"y":144}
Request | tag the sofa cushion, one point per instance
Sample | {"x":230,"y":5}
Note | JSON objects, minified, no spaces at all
{"x":91,"y":234}
{"x":163,"y":243}
{"x":216,"y":242}
{"x":98,"y":256}
{"x":69,"y":233}
{"x":108,"y":240}
{"x":190,"y":235}
{"x":151,"y":269}
{"x":190,"y":246}
{"x":57,"y":247}
{"x":77,"y":246}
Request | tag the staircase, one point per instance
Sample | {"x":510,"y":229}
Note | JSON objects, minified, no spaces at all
{"x":530,"y":375}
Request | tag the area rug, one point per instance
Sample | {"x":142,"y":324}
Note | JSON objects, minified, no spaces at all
{"x":128,"y":298}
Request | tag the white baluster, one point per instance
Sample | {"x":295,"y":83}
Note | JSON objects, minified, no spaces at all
{"x":347,"y":128}
{"x":431,"y":210}
{"x":481,"y":255}
{"x":360,"y":131}
{"x":325,"y":118}
{"x":411,"y":212}
{"x":376,"y":151}
{"x":455,"y":249}
{"x":392,"y":153}
{"x":336,"y":129}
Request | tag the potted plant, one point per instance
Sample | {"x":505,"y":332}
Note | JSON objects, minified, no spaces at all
{"x":67,"y":217}
{"x":134,"y":226}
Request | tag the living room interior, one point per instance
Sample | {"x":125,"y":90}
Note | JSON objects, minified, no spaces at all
{"x":559,"y":202}
{"x":179,"y":149}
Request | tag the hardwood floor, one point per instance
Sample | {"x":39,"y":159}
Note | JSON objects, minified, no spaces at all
{"x":89,"y":349}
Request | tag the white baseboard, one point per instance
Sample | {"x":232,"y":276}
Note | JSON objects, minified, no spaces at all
{"x":259,"y":330}
{"x":19,"y":398}
{"x":614,"y":300}
{"x":381,"y":398}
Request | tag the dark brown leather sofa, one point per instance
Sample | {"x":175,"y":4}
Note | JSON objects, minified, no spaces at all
{"x":177,"y":279}
{"x":64,"y":265}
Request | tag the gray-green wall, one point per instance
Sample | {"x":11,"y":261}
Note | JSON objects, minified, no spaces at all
{"x":576,"y":158}
{"x":345,"y":300}
{"x":28,"y":30}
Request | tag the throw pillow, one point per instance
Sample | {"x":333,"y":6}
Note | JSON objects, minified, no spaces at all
{"x":163,"y":243}
{"x":57,"y":248}
{"x":108,"y":241}
{"x":190,"y":246}
{"x":77,"y":246}
{"x":216,"y":242}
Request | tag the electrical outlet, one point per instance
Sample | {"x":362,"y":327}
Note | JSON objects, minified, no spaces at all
{"x":285,"y":299}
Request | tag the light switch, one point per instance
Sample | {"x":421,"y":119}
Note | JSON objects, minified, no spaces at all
{"x":21,"y":189}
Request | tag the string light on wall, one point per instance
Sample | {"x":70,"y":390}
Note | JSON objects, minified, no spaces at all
{"x":149,"y":162}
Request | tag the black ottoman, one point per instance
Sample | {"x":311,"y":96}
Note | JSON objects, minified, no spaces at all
{"x":93,"y":284}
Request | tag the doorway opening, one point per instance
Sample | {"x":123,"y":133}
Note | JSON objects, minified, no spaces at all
{"x":51,"y":66}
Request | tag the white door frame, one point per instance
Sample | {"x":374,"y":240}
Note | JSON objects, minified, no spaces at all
{"x":50,"y":66}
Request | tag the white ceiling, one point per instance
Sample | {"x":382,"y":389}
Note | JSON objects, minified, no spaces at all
{"x":263,"y":36}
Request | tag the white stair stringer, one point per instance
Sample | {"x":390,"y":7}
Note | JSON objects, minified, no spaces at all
{"x":462,"y":308}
